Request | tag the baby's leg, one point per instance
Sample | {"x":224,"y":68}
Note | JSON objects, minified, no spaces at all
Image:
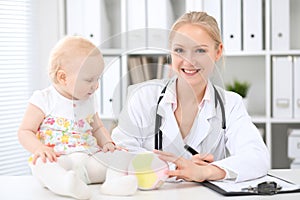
{"x":65,"y":162}
{"x":88,"y":169}
{"x":119,"y":183}
{"x":59,"y":180}
{"x":96,"y":170}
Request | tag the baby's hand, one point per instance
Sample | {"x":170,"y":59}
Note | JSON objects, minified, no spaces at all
{"x":109,"y":146}
{"x":45,"y":153}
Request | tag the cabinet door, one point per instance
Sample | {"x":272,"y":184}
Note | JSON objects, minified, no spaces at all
{"x":111,"y":87}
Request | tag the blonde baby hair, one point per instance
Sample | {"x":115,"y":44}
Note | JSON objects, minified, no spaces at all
{"x":66,"y":51}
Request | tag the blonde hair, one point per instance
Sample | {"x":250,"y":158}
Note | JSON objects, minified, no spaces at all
{"x":66,"y":50}
{"x":205,"y":21}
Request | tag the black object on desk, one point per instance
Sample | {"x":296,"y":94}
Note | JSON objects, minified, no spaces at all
{"x":262,"y":188}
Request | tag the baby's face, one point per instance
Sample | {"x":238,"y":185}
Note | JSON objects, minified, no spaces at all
{"x":86,"y":78}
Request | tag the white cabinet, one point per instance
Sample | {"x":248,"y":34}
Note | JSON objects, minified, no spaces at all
{"x":125,"y":23}
{"x":109,"y":87}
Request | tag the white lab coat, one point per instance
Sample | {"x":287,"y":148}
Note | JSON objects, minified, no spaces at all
{"x":247,"y":155}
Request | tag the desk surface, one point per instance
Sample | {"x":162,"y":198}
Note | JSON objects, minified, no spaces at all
{"x":27,"y":188}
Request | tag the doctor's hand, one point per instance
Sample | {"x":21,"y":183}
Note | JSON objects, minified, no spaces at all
{"x":189,"y":170}
{"x":203,"y":159}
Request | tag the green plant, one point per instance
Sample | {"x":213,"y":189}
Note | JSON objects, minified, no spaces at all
{"x":239,"y":87}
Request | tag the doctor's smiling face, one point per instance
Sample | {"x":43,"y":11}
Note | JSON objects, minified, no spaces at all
{"x":195,"y":45}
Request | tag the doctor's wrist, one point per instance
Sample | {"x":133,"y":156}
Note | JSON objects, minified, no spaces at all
{"x":215,"y":173}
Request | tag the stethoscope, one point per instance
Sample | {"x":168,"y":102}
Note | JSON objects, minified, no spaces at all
{"x":158,"y":119}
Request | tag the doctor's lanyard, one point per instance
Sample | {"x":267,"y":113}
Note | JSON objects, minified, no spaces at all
{"x":157,"y":131}
{"x":158,"y":118}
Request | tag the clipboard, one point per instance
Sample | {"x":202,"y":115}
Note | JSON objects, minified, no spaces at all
{"x":230,"y":188}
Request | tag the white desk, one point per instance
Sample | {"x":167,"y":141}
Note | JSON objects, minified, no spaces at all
{"x":27,"y":188}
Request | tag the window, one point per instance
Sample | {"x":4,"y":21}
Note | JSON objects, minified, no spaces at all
{"x":15,"y":63}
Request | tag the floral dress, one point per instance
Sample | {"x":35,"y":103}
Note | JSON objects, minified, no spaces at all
{"x":67,"y":125}
{"x":67,"y":136}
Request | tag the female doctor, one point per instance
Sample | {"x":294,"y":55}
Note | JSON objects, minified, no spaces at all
{"x":189,"y":113}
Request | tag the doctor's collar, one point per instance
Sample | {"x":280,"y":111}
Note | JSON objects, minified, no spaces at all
{"x":171,"y":95}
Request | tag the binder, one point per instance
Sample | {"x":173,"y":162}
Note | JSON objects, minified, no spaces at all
{"x":282,"y":87}
{"x":231,"y":13}
{"x":74,"y":14}
{"x":293,"y":145}
{"x":296,"y":87}
{"x":88,"y":19}
{"x":159,"y":22}
{"x":213,"y":8}
{"x":231,"y":188}
{"x":146,"y":68}
{"x":193,"y":5}
{"x":136,"y":24}
{"x":252,"y":25}
{"x":280,"y":25}
{"x":104,"y":25}
{"x":91,"y":21}
{"x":135,"y":69}
{"x":110,"y":86}
{"x":160,"y":67}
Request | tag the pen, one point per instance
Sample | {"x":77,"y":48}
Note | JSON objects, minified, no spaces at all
{"x":190,"y":149}
{"x":193,"y":151}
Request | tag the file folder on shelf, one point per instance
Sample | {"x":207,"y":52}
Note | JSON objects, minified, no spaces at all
{"x":193,"y":5}
{"x":159,"y":22}
{"x":96,"y":24}
{"x":280,"y":25}
{"x":232,"y":25}
{"x":282,"y":87}
{"x":213,"y":8}
{"x":297,"y":87}
{"x":135,"y":69}
{"x":136,"y":24}
{"x":294,"y":148}
{"x":252,"y":25}
{"x":74,"y":13}
{"x":88,"y":19}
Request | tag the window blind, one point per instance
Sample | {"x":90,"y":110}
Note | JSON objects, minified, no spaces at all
{"x":15,"y":63}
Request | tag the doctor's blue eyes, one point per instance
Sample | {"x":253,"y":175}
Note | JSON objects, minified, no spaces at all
{"x":201,"y":51}
{"x":182,"y":51}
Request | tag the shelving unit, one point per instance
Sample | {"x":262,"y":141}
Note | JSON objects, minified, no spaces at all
{"x":252,"y":66}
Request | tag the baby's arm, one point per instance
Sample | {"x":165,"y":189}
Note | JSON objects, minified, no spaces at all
{"x":27,"y":135}
{"x":102,"y":135}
